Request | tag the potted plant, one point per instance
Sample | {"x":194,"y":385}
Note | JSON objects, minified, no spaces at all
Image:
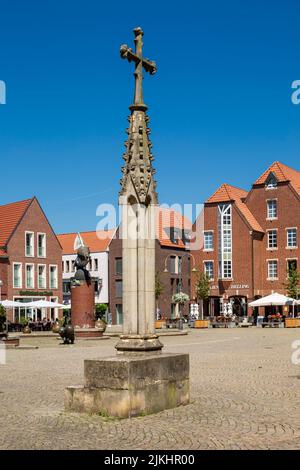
{"x":202,"y":288}
{"x":100,"y":312}
{"x":25,"y":324}
{"x":180,"y":298}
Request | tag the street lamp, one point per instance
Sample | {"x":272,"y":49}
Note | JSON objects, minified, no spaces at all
{"x":194,"y":270}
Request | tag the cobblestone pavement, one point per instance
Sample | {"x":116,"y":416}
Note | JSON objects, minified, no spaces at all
{"x":244,"y":395}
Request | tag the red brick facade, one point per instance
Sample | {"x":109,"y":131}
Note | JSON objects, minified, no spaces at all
{"x":258,"y":268}
{"x":32,"y":219}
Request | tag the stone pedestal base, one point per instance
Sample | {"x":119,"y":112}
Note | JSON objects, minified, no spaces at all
{"x":125,"y":386}
{"x":87,"y":333}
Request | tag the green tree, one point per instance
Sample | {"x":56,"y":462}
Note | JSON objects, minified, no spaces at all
{"x":100,"y":311}
{"x":2,"y":317}
{"x":202,"y":289}
{"x":292,"y":284}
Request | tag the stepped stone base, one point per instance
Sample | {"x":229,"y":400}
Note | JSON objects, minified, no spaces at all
{"x":127,"y":386}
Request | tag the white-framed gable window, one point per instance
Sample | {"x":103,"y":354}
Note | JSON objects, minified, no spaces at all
{"x":272,"y":239}
{"x":209,"y":269}
{"x":272,"y":209}
{"x":53,"y":280}
{"x":29,"y":276}
{"x":29,"y":244}
{"x":273,"y":269}
{"x":225,"y":240}
{"x":17,"y":275}
{"x":271,"y":181}
{"x":208,"y":240}
{"x":42,"y":276}
{"x":291,"y":237}
{"x":41,"y":245}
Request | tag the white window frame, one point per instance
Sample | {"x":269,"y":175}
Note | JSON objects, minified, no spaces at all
{"x":38,"y":276}
{"x":33,"y":276}
{"x":287,"y":264}
{"x":268,"y":201}
{"x":21,"y":276}
{"x":45,"y":244}
{"x":287,"y":238}
{"x":56,"y":285}
{"x":268,"y":270}
{"x":225,"y":214}
{"x":28,"y":232}
{"x":213,"y":268}
{"x":212,"y":240}
{"x":268,"y":241}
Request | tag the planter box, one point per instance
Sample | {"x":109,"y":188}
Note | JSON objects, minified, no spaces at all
{"x":201,"y":324}
{"x":292,"y":322}
{"x":160,"y":324}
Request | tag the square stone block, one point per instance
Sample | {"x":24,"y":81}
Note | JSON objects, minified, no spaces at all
{"x":126,"y":386}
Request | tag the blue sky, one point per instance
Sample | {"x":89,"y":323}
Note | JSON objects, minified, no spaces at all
{"x":220,"y":103}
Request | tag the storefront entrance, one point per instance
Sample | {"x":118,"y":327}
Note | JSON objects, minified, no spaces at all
{"x":239,"y":305}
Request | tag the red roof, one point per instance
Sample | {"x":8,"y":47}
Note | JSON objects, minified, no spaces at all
{"x":10,"y":216}
{"x":226,"y":192}
{"x":167,"y":219}
{"x":97,"y":241}
{"x":282,"y":173}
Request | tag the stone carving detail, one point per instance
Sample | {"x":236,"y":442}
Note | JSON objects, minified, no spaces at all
{"x":138,"y":169}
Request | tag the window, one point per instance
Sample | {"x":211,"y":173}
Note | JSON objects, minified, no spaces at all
{"x":119,"y":312}
{"x":66,"y":287}
{"x":227,"y":274}
{"x":291,"y":237}
{"x":42,"y":276}
{"x":272,"y":239}
{"x":17,"y":275}
{"x":291,"y":266}
{"x":208,"y":240}
{"x":29,"y":244}
{"x":209,"y":269}
{"x":271,"y":182}
{"x":273,"y":269}
{"x":41,"y":245}
{"x":53,"y":276}
{"x":29,"y":276}
{"x":67,"y":266}
{"x":225,"y":241}
{"x":179,"y":261}
{"x":118,"y":266}
{"x":119,"y":288}
{"x":73,"y":266}
{"x":272,"y":209}
{"x":173,"y":265}
{"x":96,"y":264}
{"x":63,"y":266}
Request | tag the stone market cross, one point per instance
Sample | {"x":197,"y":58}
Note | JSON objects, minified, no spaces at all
{"x":140,"y":63}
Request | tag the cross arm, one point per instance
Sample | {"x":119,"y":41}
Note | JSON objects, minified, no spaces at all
{"x":127,"y":53}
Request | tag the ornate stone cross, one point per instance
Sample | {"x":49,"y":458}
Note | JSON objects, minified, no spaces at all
{"x":140,"y":63}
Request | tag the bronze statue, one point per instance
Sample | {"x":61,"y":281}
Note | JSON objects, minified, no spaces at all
{"x":82,"y":260}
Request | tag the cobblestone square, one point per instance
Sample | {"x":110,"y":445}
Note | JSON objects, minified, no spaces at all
{"x":244,"y":395}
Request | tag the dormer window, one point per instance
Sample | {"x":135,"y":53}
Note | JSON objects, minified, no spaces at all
{"x":271,"y":182}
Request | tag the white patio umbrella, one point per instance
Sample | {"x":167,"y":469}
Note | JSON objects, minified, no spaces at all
{"x":45,"y":304}
{"x":275,"y":299}
{"x":272,"y":299}
{"x":7,"y":304}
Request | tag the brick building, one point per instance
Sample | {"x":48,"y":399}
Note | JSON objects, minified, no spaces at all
{"x":30,"y":258}
{"x":172,"y":260}
{"x":98,"y":243}
{"x":250,"y":239}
